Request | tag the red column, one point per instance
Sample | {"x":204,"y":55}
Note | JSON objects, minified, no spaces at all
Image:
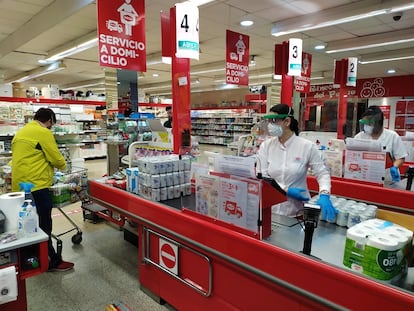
{"x":286,"y":91}
{"x":180,"y":78}
{"x":341,"y":68}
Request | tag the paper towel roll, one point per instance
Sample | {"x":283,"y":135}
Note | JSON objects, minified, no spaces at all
{"x":8,"y":284}
{"x":10,"y":204}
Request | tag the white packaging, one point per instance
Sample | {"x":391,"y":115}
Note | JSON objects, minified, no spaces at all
{"x":10,"y":204}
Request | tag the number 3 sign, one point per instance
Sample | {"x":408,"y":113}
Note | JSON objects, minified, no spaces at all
{"x":186,"y":25}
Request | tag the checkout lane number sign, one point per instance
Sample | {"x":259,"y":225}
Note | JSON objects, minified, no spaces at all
{"x":168,"y":256}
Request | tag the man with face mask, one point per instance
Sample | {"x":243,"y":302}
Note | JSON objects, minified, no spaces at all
{"x":286,"y":157}
{"x":372,"y":125}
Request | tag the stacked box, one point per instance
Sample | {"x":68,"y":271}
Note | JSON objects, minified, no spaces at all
{"x":164,"y":177}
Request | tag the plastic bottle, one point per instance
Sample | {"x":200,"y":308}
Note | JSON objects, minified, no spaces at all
{"x":21,"y":219}
{"x":28,"y":223}
{"x":31,"y":221}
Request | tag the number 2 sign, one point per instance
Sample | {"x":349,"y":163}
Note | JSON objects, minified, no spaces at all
{"x":187,"y":34}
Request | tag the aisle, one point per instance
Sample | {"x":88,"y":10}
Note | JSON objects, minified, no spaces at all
{"x":101,"y":275}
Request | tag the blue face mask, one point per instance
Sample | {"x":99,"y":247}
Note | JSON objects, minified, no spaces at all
{"x":274,"y":130}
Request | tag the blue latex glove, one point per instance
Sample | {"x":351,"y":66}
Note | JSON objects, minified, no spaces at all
{"x":298,"y":194}
{"x":395,"y":174}
{"x":328,"y":210}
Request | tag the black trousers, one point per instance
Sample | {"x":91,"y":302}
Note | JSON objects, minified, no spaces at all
{"x":44,"y":205}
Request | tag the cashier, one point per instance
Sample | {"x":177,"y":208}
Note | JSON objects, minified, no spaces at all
{"x":372,"y":124}
{"x":286,"y":158}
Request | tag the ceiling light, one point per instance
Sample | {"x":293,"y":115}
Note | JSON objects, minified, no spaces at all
{"x":320,"y":47}
{"x":199,"y":2}
{"x":381,"y":57}
{"x":38,"y":72}
{"x":155,"y":75}
{"x":246,"y":23}
{"x":252,"y":60}
{"x":391,"y":71}
{"x":81,"y":44}
{"x":366,"y":42}
{"x":83,"y":84}
{"x":337,"y":15}
{"x":207,"y":71}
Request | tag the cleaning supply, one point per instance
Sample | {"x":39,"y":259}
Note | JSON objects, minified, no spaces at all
{"x":27,"y":188}
{"x":28,"y":220}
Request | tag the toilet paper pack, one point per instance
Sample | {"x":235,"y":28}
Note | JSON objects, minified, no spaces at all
{"x":378,"y":248}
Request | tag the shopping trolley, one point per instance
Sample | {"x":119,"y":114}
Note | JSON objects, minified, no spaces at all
{"x":69,"y":188}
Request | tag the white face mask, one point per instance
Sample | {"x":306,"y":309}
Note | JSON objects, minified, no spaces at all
{"x":274,"y":130}
{"x":368,"y":129}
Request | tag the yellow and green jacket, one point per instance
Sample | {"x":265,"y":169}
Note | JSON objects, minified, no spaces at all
{"x":35,"y":154}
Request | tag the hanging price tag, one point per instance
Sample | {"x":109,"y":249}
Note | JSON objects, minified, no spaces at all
{"x":186,"y":25}
{"x":295,"y":57}
{"x":351,"y":76}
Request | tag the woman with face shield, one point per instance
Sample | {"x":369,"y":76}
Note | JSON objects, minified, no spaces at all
{"x":286,"y":157}
{"x":372,"y":125}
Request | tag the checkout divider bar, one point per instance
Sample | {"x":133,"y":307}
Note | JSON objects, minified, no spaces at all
{"x":238,"y":263}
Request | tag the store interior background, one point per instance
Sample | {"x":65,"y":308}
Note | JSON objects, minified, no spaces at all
{"x":33,"y":30}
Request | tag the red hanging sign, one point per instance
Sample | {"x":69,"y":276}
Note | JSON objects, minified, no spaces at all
{"x":121,"y":34}
{"x":237,"y":58}
{"x":303,"y":82}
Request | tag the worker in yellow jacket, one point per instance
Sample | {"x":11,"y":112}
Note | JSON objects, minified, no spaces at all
{"x":35,"y":154}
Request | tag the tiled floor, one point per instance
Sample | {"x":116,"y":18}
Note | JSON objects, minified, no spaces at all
{"x":101,"y":276}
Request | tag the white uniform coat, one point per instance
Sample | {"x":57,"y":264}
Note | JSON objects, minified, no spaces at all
{"x":392,"y":143}
{"x":288,"y":164}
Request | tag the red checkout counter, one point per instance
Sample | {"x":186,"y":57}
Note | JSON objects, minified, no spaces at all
{"x":29,"y":256}
{"x":197,"y":264}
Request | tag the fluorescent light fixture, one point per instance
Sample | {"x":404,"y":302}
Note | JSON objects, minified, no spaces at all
{"x":83,"y":84}
{"x":366,"y":42}
{"x":155,"y":75}
{"x":391,"y":71}
{"x":207,"y":71}
{"x":391,"y":59}
{"x":199,"y":2}
{"x":320,"y":47}
{"x":388,"y":56}
{"x":81,"y":44}
{"x":246,"y":23}
{"x":38,"y":72}
{"x":338,"y":15}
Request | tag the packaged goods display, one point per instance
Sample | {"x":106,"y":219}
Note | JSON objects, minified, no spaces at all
{"x":160,"y":178}
{"x":350,"y":212}
{"x":378,"y":248}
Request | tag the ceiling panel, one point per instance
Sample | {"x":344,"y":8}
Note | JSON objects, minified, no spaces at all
{"x":215,"y":18}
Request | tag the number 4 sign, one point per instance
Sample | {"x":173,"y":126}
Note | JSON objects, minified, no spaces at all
{"x":186,"y":25}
